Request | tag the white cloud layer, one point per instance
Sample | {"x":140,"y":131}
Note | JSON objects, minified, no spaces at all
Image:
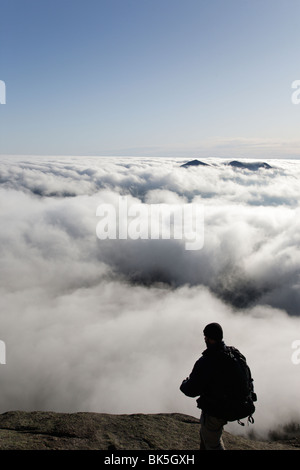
{"x":116,"y":325}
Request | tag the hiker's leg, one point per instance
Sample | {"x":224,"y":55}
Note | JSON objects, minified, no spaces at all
{"x":211,"y":429}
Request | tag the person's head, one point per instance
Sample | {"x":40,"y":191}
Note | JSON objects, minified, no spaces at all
{"x":213,"y":333}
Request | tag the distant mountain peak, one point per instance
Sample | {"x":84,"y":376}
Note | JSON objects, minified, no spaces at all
{"x":194,"y":163}
{"x":249,"y":165}
{"x":244,"y":165}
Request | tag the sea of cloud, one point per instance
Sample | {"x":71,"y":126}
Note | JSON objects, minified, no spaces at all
{"x":115,"y":325}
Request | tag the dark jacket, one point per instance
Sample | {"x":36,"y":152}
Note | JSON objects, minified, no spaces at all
{"x":208,"y":380}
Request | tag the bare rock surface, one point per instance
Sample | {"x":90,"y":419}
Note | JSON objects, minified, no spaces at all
{"x":21,"y":430}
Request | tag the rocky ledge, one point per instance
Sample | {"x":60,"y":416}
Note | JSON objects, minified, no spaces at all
{"x":20,"y":430}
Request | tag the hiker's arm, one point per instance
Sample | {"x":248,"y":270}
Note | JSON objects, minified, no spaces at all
{"x":194,"y":385}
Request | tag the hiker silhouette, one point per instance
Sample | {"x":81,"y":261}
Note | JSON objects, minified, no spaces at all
{"x":222,"y":380}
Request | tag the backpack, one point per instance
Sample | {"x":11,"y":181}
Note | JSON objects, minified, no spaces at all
{"x":238,"y":396}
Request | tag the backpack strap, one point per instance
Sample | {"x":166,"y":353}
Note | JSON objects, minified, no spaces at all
{"x":249,"y":420}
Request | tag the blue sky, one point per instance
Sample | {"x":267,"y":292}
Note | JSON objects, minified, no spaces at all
{"x":150,"y":77}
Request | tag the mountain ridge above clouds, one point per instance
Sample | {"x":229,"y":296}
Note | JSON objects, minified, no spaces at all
{"x":36,"y":430}
{"x":249,"y":165}
{"x":254,"y":166}
{"x":194,"y":163}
